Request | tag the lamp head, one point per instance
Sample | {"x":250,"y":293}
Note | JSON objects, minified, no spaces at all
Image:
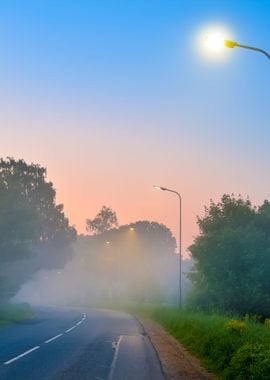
{"x":230,"y":44}
{"x":160,"y":188}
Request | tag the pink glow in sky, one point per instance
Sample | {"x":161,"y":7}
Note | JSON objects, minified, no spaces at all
{"x":113,"y":99}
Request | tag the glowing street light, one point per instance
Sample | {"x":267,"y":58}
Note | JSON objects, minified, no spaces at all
{"x":216,"y":38}
{"x":232,"y":44}
{"x":180,"y":239}
{"x":214,"y":41}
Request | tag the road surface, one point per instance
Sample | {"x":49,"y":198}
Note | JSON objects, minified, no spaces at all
{"x":65,"y":344}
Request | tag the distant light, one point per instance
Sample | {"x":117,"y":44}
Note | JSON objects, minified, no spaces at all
{"x":131,"y":228}
{"x":108,"y":242}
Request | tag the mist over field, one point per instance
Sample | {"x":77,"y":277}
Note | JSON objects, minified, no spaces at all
{"x":107,"y":272}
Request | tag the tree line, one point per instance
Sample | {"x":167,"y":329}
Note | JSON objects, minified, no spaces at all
{"x":231,"y":254}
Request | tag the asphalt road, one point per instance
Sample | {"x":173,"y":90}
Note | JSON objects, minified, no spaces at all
{"x":65,"y":344}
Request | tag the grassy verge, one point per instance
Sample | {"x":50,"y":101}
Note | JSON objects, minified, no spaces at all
{"x":14,"y":313}
{"x":228,"y":347}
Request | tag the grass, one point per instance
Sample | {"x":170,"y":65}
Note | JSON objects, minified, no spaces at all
{"x":228,"y":347}
{"x":14,"y":313}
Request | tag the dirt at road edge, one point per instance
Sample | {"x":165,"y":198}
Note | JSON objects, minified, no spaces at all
{"x":176,"y":362}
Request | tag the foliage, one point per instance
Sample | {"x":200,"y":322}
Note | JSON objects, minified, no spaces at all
{"x":251,"y":361}
{"x":34,"y":232}
{"x":10,"y":313}
{"x":232,"y":258}
{"x":244,"y":356}
{"x":235,"y":326}
{"x":267,"y":323}
{"x":105,"y":220}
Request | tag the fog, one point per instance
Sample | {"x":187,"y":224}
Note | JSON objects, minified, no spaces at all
{"x":137,"y":264}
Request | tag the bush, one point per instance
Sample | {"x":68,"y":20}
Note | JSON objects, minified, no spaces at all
{"x":235,"y":326}
{"x":251,"y":361}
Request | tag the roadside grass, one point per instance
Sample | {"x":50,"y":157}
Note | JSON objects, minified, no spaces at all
{"x":227,"y":346}
{"x":14,"y":313}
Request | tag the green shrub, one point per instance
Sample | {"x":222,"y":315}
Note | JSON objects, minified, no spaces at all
{"x":235,"y":326}
{"x":251,"y":361}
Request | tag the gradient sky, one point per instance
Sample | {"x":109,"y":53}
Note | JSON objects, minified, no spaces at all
{"x":116,"y":96}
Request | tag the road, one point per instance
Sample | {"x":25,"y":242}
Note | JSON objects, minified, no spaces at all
{"x":65,"y":344}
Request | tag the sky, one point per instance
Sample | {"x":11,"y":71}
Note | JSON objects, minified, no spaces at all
{"x":113,"y":97}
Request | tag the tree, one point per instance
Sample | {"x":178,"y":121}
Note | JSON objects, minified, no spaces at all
{"x":134,"y":262}
{"x":232,"y":257}
{"x":34,"y":232}
{"x":105,"y":220}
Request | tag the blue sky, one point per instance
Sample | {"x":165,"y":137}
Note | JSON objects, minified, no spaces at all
{"x":118,"y":90}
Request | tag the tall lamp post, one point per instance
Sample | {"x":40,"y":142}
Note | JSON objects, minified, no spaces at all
{"x":180,"y":239}
{"x":233,"y":44}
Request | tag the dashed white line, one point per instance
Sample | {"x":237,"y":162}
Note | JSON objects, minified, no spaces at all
{"x":47,"y":341}
{"x":55,"y":337}
{"x":21,"y":355}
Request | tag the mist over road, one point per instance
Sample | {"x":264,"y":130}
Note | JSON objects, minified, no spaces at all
{"x":63,"y":343}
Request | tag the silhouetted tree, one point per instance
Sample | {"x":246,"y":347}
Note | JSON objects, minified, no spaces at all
{"x":34,"y":232}
{"x":232,"y":257}
{"x":105,"y":220}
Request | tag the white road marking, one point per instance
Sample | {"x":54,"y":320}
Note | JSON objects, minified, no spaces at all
{"x":21,"y":355}
{"x":55,"y":337}
{"x":117,"y":345}
{"x":72,"y":328}
{"x":47,"y":341}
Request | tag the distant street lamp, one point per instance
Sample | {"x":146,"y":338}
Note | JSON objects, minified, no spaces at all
{"x":180,"y":239}
{"x":232,"y":44}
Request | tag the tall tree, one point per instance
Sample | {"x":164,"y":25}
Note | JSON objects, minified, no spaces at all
{"x":232,"y":257}
{"x":105,"y":220}
{"x":34,"y":232}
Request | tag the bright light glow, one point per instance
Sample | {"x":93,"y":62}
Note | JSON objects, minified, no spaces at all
{"x":108,"y":242}
{"x":131,"y":228}
{"x":157,"y":187}
{"x":211,"y":41}
{"x":215,"y":41}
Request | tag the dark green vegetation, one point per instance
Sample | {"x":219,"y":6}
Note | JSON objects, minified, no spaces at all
{"x":230,"y":348}
{"x":14,"y":313}
{"x":232,"y":258}
{"x":34,"y":232}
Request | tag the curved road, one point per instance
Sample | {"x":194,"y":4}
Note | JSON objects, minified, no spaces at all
{"x":65,"y":344}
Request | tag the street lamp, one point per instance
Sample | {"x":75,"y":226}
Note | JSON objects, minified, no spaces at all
{"x":180,"y":239}
{"x":232,"y":44}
